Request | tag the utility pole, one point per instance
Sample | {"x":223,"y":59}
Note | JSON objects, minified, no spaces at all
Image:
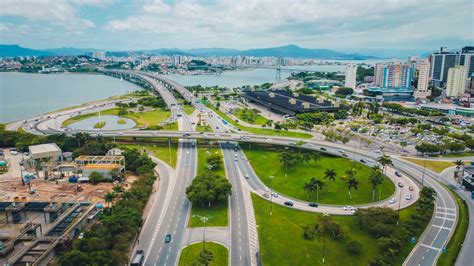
{"x":423,"y":176}
{"x":399,"y":205}
{"x":169,"y":148}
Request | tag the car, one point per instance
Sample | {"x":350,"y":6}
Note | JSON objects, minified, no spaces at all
{"x":236,"y":159}
{"x":268,"y":140}
{"x":400,"y":184}
{"x":288,"y":203}
{"x":410,"y":188}
{"x":81,"y":235}
{"x":120,"y":133}
{"x":392,"y":201}
{"x":187,"y":152}
{"x":323,"y":149}
{"x":247,"y":176}
{"x":363,"y":161}
{"x":274,"y":194}
{"x":313,"y":204}
{"x":13,"y":152}
{"x":345,"y":155}
{"x":167,"y":238}
{"x":398,"y":174}
{"x":265,"y":189}
{"x":265,"y":196}
{"x":408,"y":197}
{"x":348,"y":208}
{"x":291,"y":143}
{"x":340,"y":151}
{"x":309,"y":144}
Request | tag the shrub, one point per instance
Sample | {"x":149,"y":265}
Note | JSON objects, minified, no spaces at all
{"x":354,"y":247}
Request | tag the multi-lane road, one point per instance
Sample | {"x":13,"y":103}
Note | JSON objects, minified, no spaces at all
{"x":170,"y":214}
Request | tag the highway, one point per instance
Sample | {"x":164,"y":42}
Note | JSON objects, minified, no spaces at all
{"x":172,"y":215}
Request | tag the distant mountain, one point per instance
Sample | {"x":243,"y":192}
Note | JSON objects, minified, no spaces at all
{"x":213,"y":52}
{"x":395,"y":53}
{"x":70,"y":51}
{"x":282,"y":51}
{"x":14,"y":50}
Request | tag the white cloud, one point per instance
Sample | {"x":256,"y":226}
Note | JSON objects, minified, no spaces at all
{"x":56,"y":12}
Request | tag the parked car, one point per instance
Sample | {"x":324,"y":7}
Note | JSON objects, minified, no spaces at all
{"x":288,"y":203}
{"x":265,"y":196}
{"x":400,"y":184}
{"x":392,"y":201}
{"x":408,"y":197}
{"x":313,"y":204}
{"x":398,"y":174}
{"x":410,"y":188}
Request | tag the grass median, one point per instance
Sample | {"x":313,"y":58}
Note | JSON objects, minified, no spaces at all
{"x":218,"y":211}
{"x":250,"y":116}
{"x":158,"y":146}
{"x":190,"y":254}
{"x":434,"y":165}
{"x":262,"y":131}
{"x":265,"y":160}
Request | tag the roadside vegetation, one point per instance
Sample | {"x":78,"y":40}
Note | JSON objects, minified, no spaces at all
{"x":251,"y":116}
{"x":371,"y":237}
{"x":100,"y":125}
{"x":162,"y":148}
{"x":210,"y":189}
{"x":216,"y":255}
{"x":261,"y":131}
{"x":317,"y":177}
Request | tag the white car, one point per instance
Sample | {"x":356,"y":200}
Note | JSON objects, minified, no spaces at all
{"x":275,"y":195}
{"x":265,"y":189}
{"x":408,"y":197}
{"x":392,"y":201}
{"x":348,"y":208}
{"x":268,"y":140}
{"x":309,"y":144}
{"x":187,"y":152}
{"x":340,"y":151}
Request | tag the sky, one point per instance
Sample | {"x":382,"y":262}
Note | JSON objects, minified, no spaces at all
{"x":242,"y":24}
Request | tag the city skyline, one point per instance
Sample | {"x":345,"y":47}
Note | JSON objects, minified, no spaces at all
{"x":352,"y":26}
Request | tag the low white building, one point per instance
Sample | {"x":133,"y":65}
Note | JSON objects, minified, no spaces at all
{"x":48,"y":151}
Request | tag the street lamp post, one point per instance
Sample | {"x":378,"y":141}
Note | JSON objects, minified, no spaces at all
{"x":399,"y":205}
{"x":423,"y":176}
{"x":203,"y":219}
{"x":271,"y":194}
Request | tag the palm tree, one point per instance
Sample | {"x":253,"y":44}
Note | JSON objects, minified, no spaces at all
{"x":118,"y":189}
{"x":309,"y":187}
{"x":385,"y":160}
{"x":316,"y":156}
{"x":428,"y":194}
{"x":351,"y":173}
{"x":352,"y":183}
{"x":459,"y":164}
{"x":330,"y":174}
{"x":375,"y":179}
{"x":109,"y":197}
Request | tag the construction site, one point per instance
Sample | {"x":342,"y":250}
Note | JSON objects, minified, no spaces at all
{"x":46,"y":199}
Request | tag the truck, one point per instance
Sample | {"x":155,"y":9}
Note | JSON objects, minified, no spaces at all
{"x":138,"y":259}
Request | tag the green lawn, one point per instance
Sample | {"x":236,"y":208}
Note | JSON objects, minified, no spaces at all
{"x":462,"y":154}
{"x":143,"y":119}
{"x":121,"y":121}
{"x":436,"y":166}
{"x":282,"y":243}
{"x":218,"y":212}
{"x":188,"y":109}
{"x":249,"y":117}
{"x":190,"y":253}
{"x":159,"y":147}
{"x":265,"y":161}
{"x":455,"y":244}
{"x":100,"y":124}
{"x":262,"y":131}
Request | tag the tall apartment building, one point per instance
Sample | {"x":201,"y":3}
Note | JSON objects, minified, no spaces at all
{"x":423,"y":80}
{"x":441,"y":62}
{"x":466,"y":58}
{"x":351,"y":74}
{"x":456,"y":81}
{"x":378,"y":74}
{"x":397,"y":75}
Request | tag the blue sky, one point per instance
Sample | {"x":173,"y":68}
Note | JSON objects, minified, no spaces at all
{"x":241,"y":24}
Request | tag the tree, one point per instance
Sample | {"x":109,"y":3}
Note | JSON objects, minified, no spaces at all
{"x":208,"y":188}
{"x":109,"y":197}
{"x":354,"y":247}
{"x":352,"y":183}
{"x":375,"y":179}
{"x":385,"y":160}
{"x":204,"y":258}
{"x":330,"y":174}
{"x":214,"y":162}
{"x":287,"y":159}
{"x":96,"y":178}
{"x":313,"y":185}
{"x":379,"y":221}
{"x":459,"y":164}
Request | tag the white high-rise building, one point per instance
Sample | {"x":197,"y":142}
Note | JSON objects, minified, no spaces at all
{"x":99,"y":55}
{"x":456,"y":81}
{"x":351,"y":74}
{"x":423,"y":80}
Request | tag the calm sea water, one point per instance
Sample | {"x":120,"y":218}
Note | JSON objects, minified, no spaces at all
{"x":24,"y":95}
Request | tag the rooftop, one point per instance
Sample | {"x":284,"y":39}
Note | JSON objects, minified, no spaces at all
{"x":44,"y":148}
